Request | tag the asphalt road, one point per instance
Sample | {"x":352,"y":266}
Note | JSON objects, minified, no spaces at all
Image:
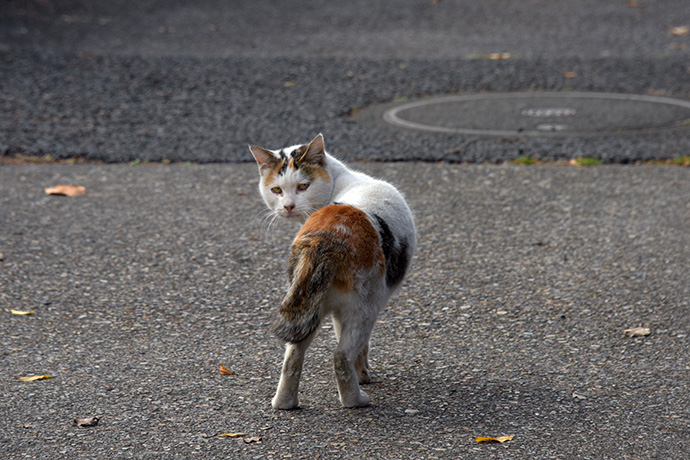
{"x":197,"y":81}
{"x":512,"y":320}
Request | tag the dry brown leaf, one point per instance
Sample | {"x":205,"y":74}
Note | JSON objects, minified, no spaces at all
{"x":88,"y":421}
{"x":231,"y":435}
{"x":637,"y":332}
{"x":249,"y":440}
{"x":635,"y":4}
{"x":569,"y":74}
{"x":32,"y":378}
{"x":66,"y":190}
{"x":680,"y":31}
{"x":488,"y":439}
{"x":225,"y":371}
{"x":21,"y":312}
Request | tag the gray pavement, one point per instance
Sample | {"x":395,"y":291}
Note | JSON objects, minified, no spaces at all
{"x":511,"y":322}
{"x":197,"y":81}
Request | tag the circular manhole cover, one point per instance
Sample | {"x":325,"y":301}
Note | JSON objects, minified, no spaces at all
{"x":539,"y":114}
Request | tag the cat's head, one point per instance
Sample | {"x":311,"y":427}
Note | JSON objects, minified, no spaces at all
{"x":294,"y":180}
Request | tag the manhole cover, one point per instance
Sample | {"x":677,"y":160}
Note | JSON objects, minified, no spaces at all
{"x":540,"y":114}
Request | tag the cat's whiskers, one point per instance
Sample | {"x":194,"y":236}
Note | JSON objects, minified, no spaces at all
{"x":309,"y":211}
{"x":267,"y":218}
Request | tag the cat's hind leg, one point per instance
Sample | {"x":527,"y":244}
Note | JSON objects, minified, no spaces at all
{"x":362,"y":364}
{"x":354,"y":335}
{"x":362,"y":361}
{"x":286,"y":396}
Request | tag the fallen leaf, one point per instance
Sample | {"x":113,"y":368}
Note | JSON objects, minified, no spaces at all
{"x":637,"y":332}
{"x":584,"y":161}
{"x":66,"y":190}
{"x":21,"y":312}
{"x":231,"y":435}
{"x":498,"y":56}
{"x":252,"y":439}
{"x":570,"y":74}
{"x":35,"y":377}
{"x":680,"y":31}
{"x":635,"y":4}
{"x":289,"y":84}
{"x":488,"y":439}
{"x":225,"y":371}
{"x":88,"y":421}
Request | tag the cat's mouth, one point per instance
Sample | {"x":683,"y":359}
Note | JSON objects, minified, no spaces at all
{"x":294,"y":215}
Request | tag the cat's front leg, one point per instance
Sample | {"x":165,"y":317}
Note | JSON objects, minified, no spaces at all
{"x":286,"y":396}
{"x":348,"y":383}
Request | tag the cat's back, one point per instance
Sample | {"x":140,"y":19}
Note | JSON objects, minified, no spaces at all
{"x":385,"y":206}
{"x":375,"y":196}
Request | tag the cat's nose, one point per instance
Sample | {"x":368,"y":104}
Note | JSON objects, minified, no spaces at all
{"x":289,"y":207}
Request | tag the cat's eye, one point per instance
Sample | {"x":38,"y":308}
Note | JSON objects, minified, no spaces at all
{"x":277,"y":190}
{"x":302,"y":187}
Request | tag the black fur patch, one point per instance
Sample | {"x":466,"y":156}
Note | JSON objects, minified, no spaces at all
{"x":396,"y":255}
{"x":296,"y":155}
{"x":285,"y":161}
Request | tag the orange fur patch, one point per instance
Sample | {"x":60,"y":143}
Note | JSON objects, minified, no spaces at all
{"x":352,"y":228}
{"x":271,"y":175}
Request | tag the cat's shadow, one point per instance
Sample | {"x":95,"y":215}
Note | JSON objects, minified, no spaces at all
{"x":457,"y":402}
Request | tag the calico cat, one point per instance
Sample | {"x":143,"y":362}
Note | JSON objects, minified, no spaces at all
{"x":350,"y":255}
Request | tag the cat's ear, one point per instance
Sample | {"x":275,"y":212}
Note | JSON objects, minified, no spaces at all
{"x":264,"y":158}
{"x":315,"y":153}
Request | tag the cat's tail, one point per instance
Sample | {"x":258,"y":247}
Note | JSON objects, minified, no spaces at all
{"x":313,"y":265}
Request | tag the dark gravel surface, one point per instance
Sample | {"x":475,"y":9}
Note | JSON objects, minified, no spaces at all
{"x":196,"y":81}
{"x":511,"y":322}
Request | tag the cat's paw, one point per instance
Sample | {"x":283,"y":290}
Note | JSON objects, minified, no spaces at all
{"x":362,"y":401}
{"x":284,"y":403}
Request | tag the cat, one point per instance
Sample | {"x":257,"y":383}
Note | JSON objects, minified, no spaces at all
{"x":349,"y":257}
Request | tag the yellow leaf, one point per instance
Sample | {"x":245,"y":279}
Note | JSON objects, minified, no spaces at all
{"x":289,"y":84}
{"x":584,"y":161}
{"x":21,"y":312}
{"x":488,"y":439}
{"x":225,"y":371}
{"x":498,"y":56}
{"x":66,"y":190}
{"x":680,"y":31}
{"x":35,"y":377}
{"x":231,"y":435}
